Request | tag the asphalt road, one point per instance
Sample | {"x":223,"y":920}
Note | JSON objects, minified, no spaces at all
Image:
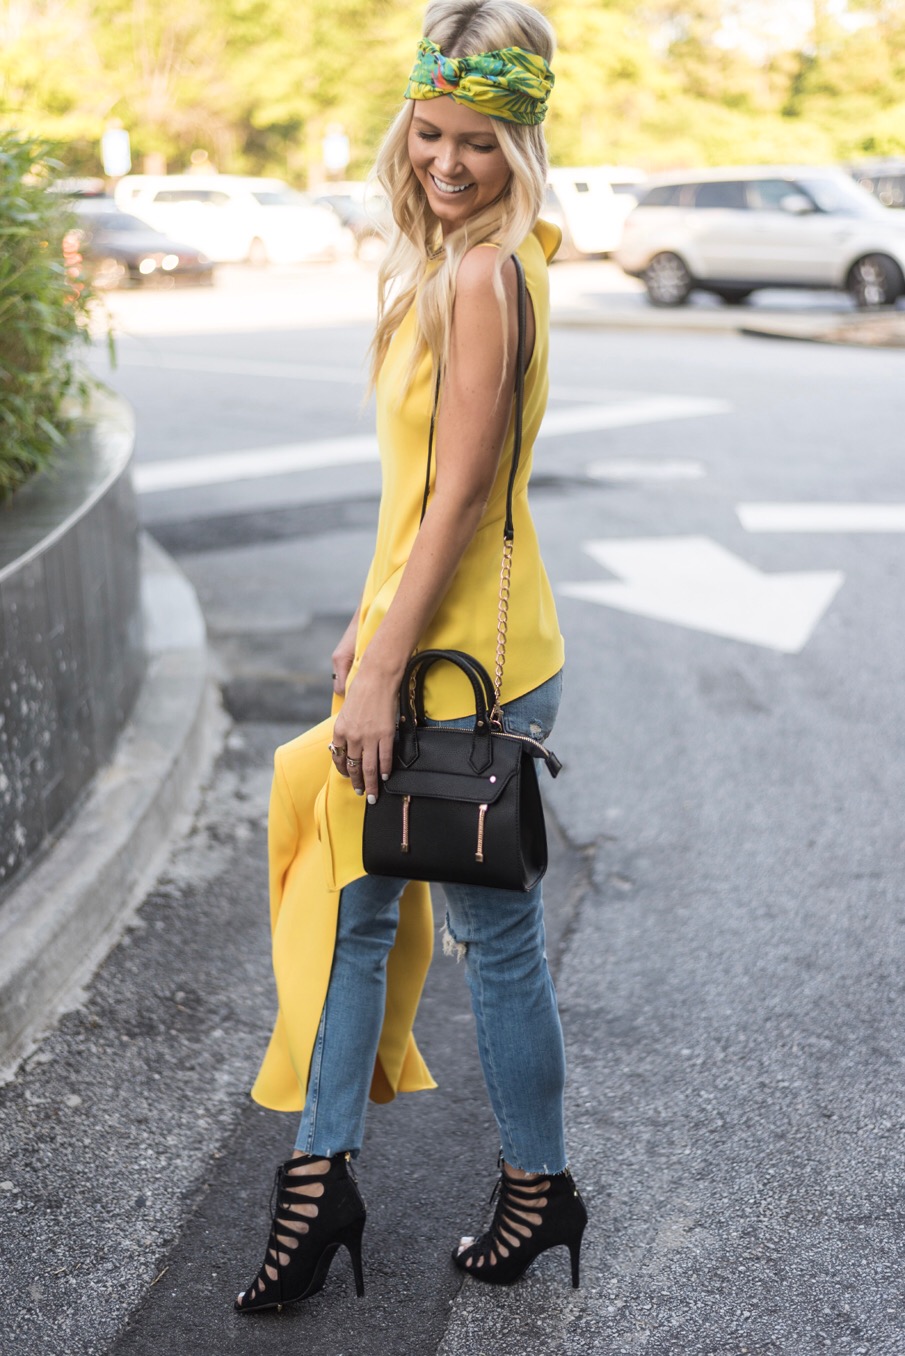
{"x":726,"y":908}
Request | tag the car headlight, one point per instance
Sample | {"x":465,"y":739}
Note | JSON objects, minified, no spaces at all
{"x":147,"y":266}
{"x":169,"y":262}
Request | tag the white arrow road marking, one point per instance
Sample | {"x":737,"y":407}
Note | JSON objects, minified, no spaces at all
{"x":256,"y":463}
{"x":694,"y":582}
{"x":822,"y":517}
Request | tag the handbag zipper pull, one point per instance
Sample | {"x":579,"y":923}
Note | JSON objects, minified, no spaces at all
{"x":479,"y":855}
{"x":406,"y":802}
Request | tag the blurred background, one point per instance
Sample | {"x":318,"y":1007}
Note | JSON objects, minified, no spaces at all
{"x":265,"y":86}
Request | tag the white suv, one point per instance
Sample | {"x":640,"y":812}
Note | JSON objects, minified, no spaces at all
{"x":732,"y":231}
{"x":233,"y":218}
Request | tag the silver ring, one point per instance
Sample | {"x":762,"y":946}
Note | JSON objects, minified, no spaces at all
{"x":353,"y":762}
{"x":338,"y":750}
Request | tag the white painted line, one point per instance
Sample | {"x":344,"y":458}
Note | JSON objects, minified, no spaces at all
{"x":822,"y":517}
{"x":633,"y":468}
{"x":624,"y":414}
{"x":241,"y":367}
{"x":256,"y":463}
{"x":694,"y":582}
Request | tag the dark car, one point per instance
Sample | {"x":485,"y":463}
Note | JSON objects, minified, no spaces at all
{"x":884,"y":178}
{"x":369,"y":225}
{"x":118,"y":250}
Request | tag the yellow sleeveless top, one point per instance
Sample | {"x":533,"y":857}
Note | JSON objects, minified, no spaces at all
{"x":467,"y":617}
{"x":315,"y":820}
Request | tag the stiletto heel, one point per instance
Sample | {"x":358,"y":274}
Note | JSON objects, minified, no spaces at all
{"x":314,"y":1214}
{"x":532,"y":1215}
{"x":575,"y":1255}
{"x":353,"y":1247}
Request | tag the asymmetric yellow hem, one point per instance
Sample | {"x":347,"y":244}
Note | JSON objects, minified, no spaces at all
{"x":314,"y":833}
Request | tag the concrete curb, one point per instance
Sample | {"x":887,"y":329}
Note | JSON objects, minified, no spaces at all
{"x":681,"y":320}
{"x":857,"y":331}
{"x":68,"y":912}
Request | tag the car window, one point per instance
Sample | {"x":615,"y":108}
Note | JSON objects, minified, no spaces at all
{"x":891,"y":190}
{"x":279,"y":197}
{"x":722,"y":193}
{"x":766,"y":195}
{"x":205,"y":195}
{"x":117,"y":221}
{"x":840,"y":196}
{"x":664,"y":195}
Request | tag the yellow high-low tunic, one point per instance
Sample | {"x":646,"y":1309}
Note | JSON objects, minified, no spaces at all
{"x":315,"y":824}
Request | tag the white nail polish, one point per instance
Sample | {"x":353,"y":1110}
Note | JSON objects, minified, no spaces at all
{"x":372,"y":800}
{"x":358,"y":791}
{"x":384,"y":776}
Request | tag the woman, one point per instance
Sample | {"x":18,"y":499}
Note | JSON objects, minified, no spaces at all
{"x":464,"y":166}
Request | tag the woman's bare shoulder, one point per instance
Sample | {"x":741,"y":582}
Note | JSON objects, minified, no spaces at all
{"x":474,"y":279}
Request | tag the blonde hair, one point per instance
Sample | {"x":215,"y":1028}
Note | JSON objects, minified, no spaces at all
{"x":459,"y":28}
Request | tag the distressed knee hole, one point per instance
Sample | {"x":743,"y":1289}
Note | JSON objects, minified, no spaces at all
{"x":537,"y":731}
{"x":451,"y":945}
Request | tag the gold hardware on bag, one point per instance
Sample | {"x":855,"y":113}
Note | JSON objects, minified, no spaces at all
{"x":482,"y":812}
{"x":406,"y":802}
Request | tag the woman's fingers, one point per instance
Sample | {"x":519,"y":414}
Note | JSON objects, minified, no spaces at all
{"x":354,"y":772}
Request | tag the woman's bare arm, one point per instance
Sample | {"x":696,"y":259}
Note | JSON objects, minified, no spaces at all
{"x":471,"y":427}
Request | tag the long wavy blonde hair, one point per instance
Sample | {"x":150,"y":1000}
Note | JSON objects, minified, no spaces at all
{"x":459,"y":28}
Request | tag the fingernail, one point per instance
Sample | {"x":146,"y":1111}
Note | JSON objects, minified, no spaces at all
{"x":358,"y":791}
{"x":384,"y":776}
{"x":372,"y":800}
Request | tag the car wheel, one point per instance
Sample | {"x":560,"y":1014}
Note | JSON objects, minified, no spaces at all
{"x":667,"y":280}
{"x":875,"y":280}
{"x":108,"y":274}
{"x":257,"y":253}
{"x":733,"y":296}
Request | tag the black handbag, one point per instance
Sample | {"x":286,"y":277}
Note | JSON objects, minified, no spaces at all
{"x":463,"y":806}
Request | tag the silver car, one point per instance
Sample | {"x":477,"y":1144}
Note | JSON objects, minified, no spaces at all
{"x":732,"y":231}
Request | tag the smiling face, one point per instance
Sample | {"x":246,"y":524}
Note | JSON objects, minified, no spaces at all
{"x":457,"y":159}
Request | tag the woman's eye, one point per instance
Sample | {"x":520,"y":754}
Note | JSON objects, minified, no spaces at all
{"x":476,"y":147}
{"x":428,"y":136}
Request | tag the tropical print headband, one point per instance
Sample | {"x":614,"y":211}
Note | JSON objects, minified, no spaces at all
{"x":510,"y":84}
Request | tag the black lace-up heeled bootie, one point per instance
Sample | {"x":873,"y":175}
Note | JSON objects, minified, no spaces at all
{"x":532,"y":1214}
{"x":316,"y":1209}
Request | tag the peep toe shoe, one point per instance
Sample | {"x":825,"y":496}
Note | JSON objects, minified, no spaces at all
{"x":532,"y":1215}
{"x":316,"y":1209}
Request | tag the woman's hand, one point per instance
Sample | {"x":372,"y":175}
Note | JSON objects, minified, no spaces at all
{"x":343,"y":657}
{"x":365,"y":730}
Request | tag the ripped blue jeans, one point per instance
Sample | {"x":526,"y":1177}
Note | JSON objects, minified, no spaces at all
{"x":500,"y":935}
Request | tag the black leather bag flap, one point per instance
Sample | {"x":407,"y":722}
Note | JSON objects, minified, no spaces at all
{"x":442,"y":769}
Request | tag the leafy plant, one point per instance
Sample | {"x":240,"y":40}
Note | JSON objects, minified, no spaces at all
{"x":43,"y":311}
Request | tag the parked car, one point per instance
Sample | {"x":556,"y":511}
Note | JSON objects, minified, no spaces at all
{"x":590,"y":205}
{"x":732,"y":231}
{"x":234,"y":219}
{"x":884,"y":178}
{"x":118,"y":250}
{"x":364,"y":212}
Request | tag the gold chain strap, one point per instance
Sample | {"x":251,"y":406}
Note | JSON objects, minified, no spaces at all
{"x":502,"y":628}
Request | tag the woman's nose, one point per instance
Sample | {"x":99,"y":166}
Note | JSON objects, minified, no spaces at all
{"x":447,"y":156}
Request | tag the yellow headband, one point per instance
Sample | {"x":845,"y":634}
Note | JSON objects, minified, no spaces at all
{"x":510,"y":84}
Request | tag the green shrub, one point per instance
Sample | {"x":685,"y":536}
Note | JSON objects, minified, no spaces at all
{"x":42,"y":312}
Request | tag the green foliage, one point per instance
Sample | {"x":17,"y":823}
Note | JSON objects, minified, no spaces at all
{"x":257,"y":83}
{"x":42,"y":310}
